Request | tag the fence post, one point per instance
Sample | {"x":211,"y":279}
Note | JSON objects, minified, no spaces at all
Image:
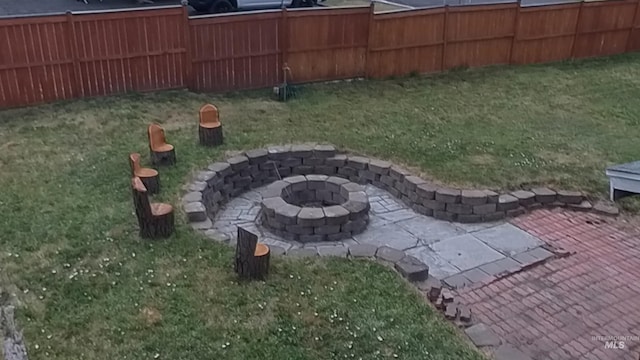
{"x":444,"y":38}
{"x":633,"y":26}
{"x":515,"y":31}
{"x":188,"y":56}
{"x":72,"y":42}
{"x":367,"y":69}
{"x":575,"y":35}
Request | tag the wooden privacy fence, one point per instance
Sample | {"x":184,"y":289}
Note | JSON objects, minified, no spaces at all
{"x":68,"y":56}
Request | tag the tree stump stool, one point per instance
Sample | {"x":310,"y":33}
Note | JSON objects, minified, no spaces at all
{"x":210,"y":128}
{"x":252,"y":259}
{"x":161,"y":153}
{"x":149,"y":177}
{"x":156,"y":220}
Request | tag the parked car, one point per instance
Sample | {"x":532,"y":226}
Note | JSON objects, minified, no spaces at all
{"x":222,"y":6}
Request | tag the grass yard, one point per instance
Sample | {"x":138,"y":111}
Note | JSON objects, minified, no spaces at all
{"x":88,"y":288}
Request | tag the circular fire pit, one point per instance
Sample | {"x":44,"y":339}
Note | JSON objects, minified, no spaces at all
{"x":315,"y":208}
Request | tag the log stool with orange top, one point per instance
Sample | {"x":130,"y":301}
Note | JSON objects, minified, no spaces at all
{"x":210,"y":129}
{"x":252,"y":258}
{"x":150,"y":177}
{"x":161,"y":152}
{"x":156,"y":220}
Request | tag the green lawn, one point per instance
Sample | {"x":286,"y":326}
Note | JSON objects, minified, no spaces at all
{"x":89,"y":288}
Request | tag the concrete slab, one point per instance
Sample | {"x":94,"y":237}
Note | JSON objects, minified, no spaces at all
{"x":508,"y":239}
{"x":478,"y":226}
{"x":390,"y":235}
{"x":465,"y":252}
{"x":430,"y":230}
{"x":438,"y":267}
{"x":399,"y":215}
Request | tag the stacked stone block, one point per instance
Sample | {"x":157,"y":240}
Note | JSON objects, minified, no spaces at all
{"x":340,"y":208}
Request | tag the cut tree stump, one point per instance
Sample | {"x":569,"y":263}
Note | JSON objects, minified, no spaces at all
{"x":210,"y":128}
{"x":156,"y":220}
{"x":150,"y":177}
{"x":252,"y":259}
{"x":210,"y":136}
{"x":13,"y":344}
{"x":161,"y":153}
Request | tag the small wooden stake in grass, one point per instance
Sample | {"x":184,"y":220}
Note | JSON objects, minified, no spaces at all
{"x":252,"y":259}
{"x":210,"y":128}
{"x":14,"y":347}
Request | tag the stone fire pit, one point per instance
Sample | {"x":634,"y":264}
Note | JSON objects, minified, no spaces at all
{"x":315,"y":208}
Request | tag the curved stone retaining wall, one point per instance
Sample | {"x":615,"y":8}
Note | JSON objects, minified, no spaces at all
{"x":224,"y":180}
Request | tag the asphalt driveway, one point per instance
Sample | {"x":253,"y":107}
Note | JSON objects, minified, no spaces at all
{"x":35,"y":7}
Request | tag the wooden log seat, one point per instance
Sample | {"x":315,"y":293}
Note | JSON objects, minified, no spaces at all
{"x":210,"y":129}
{"x":252,"y":258}
{"x":150,"y":177}
{"x":161,"y":152}
{"x":156,"y":220}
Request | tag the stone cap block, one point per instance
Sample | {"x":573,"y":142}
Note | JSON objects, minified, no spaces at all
{"x":302,"y":150}
{"x":287,"y":214}
{"x":238,"y":162}
{"x":544,"y":195}
{"x":336,"y":215}
{"x":412,"y":269}
{"x":426,"y":191}
{"x":358,"y":162}
{"x":570,"y":197}
{"x":379,"y":166}
{"x":311,"y":216}
{"x":448,"y":195}
{"x":270,"y":205}
{"x":507,"y":202}
{"x":324,"y":150}
{"x":411,"y":182}
{"x":473,"y":197}
{"x":257,"y":156}
{"x":278,"y":152}
{"x":222,"y":168}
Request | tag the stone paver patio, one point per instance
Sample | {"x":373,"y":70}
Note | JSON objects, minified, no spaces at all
{"x":459,"y":254}
{"x":566,"y":308}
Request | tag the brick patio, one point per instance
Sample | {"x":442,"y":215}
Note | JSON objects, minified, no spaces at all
{"x":554,"y":310}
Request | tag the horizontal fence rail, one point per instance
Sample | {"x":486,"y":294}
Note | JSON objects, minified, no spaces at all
{"x":48,"y":58}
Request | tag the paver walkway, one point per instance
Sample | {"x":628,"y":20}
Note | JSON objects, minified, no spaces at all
{"x":559,"y":310}
{"x":459,"y":254}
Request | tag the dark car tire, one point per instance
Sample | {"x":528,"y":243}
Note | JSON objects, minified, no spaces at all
{"x":221,"y":6}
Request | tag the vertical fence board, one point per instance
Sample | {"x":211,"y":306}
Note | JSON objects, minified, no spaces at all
{"x":236,"y":52}
{"x":604,"y":28}
{"x":551,"y":42}
{"x":34,"y":61}
{"x":479,"y":35}
{"x":406,"y":42}
{"x":327,"y":44}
